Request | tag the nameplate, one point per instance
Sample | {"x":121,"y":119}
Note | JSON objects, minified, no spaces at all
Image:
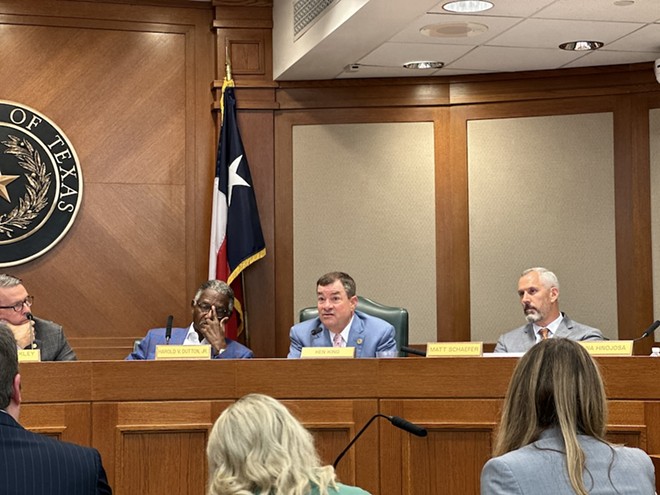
{"x":29,"y":355}
{"x":454,"y":349}
{"x":327,"y":352}
{"x":183,"y":352}
{"x":609,"y":347}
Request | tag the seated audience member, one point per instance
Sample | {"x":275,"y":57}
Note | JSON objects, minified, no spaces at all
{"x":538,"y":289}
{"x":33,"y":464}
{"x":29,"y":331}
{"x":258,"y":447}
{"x":338,"y":324}
{"x":551,"y":438}
{"x":211,"y":308}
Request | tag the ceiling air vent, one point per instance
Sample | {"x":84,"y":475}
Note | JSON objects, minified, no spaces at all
{"x":306,"y":13}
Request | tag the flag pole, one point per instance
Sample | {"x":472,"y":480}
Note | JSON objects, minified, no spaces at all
{"x":246,"y":327}
{"x":226,"y":82}
{"x":228,"y":257}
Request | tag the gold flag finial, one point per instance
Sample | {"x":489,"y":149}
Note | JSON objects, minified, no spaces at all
{"x":227,"y":82}
{"x":227,"y":64}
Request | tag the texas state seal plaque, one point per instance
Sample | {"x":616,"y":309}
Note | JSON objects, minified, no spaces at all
{"x":40,"y":184}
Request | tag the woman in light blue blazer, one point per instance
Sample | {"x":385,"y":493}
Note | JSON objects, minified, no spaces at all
{"x":551,"y":439}
{"x":258,"y":447}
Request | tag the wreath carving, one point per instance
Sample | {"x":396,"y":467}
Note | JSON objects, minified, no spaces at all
{"x":38,"y":182}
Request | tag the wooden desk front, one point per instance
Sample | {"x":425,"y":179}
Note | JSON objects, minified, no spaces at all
{"x":150,"y":420}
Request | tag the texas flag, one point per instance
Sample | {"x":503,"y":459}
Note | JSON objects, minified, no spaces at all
{"x":236,"y":237}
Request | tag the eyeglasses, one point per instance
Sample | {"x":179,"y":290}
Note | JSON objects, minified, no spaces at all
{"x":205,"y":308}
{"x":19,"y":305}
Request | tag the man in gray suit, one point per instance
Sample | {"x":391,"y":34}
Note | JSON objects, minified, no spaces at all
{"x":30,"y":332}
{"x":538,"y":289}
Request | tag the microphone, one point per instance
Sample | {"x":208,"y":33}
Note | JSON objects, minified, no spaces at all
{"x":395,"y":420}
{"x":649,"y":330}
{"x":406,"y":425}
{"x":33,"y":344}
{"x":317,"y":331}
{"x":410,"y":350}
{"x":168,"y":329}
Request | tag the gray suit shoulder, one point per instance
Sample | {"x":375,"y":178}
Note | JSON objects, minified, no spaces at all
{"x":579,"y":331}
{"x":522,"y":338}
{"x":54,"y":345}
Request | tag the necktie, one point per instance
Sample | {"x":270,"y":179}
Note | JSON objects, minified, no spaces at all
{"x":337,"y":341}
{"x":544,"y":333}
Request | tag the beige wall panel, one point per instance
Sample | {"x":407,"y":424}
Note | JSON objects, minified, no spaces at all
{"x":363,"y":203}
{"x":541,"y":193}
{"x":654,"y":143}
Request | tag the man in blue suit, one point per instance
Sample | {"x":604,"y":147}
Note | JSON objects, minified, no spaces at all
{"x":338,"y":324}
{"x":33,"y":464}
{"x":211,"y":308}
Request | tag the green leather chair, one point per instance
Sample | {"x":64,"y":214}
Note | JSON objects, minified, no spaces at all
{"x":397,"y":317}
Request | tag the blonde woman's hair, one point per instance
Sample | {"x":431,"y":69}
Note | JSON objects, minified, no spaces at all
{"x":555,"y":384}
{"x":258,"y":447}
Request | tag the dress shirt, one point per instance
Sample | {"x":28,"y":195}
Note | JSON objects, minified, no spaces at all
{"x":552,"y":328}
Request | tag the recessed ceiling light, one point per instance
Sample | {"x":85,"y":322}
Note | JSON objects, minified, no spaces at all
{"x":454,"y":30}
{"x":579,"y":46}
{"x":424,"y":64}
{"x":467,"y":6}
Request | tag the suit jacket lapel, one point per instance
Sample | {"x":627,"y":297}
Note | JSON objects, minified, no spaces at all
{"x":529,"y":332}
{"x":321,"y":339}
{"x":565,"y":326}
{"x":356,"y":335}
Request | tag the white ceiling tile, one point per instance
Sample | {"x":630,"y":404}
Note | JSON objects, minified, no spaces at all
{"x":608,"y":57}
{"x":507,"y":59}
{"x":396,"y":54}
{"x":370,"y":72}
{"x":496,"y":25}
{"x":513,"y":8}
{"x":646,"y":39}
{"x":541,"y":33}
{"x":522,"y":35}
{"x":602,"y":10}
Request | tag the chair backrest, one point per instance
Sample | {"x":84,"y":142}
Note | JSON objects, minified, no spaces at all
{"x":397,"y":317}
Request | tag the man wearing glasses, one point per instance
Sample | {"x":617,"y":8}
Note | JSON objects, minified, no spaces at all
{"x":29,"y":331}
{"x":211,"y":308}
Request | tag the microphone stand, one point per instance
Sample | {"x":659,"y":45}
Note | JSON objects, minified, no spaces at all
{"x":395,"y":420}
{"x":343,"y":452}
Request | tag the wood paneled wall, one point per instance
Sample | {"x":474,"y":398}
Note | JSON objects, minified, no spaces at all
{"x":152,"y":434}
{"x":130,"y":85}
{"x":136,"y":89}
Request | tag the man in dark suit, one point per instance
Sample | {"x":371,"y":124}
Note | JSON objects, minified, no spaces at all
{"x":211,"y":308}
{"x":31,"y":332}
{"x":33,"y":464}
{"x":538,"y":289}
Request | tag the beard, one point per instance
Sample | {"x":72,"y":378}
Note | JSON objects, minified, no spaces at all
{"x":532,"y":315}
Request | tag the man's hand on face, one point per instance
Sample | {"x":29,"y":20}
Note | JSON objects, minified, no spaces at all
{"x":213,"y":329}
{"x":23,"y":333}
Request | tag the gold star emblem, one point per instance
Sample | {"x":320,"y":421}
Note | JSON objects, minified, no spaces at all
{"x":5,"y":180}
